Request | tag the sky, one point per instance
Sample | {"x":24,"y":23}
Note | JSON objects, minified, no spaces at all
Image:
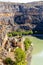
{"x":20,"y":1}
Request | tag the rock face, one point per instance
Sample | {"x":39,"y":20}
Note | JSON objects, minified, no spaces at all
{"x":22,"y":16}
{"x":29,"y":55}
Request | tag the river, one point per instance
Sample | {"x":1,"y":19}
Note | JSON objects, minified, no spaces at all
{"x":37,"y":59}
{"x":37,"y":56}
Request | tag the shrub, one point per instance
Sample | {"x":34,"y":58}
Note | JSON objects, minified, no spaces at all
{"x":15,"y":33}
{"x":30,"y":32}
{"x":21,"y":63}
{"x":20,"y":55}
{"x":9,"y":35}
{"x":7,"y":61}
{"x":27,"y":43}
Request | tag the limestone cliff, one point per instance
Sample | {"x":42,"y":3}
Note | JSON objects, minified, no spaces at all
{"x":22,"y":16}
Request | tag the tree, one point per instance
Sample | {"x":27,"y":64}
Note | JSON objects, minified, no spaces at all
{"x":27,"y":43}
{"x":21,"y":63}
{"x":20,"y":55}
{"x":9,"y":35}
{"x":8,"y":61}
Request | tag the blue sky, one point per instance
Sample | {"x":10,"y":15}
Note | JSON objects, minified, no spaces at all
{"x":20,"y":1}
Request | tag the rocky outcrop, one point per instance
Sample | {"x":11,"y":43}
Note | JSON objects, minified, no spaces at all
{"x":29,"y":55}
{"x":16,"y":15}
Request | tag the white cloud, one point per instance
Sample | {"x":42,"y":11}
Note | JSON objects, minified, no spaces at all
{"x":21,"y":1}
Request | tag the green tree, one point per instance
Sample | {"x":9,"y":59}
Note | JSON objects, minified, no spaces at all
{"x":30,"y":32}
{"x":20,"y":55}
{"x":8,"y":61}
{"x":9,"y":35}
{"x":21,"y":63}
{"x":27,"y":43}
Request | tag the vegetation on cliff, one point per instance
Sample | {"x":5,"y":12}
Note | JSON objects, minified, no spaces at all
{"x":20,"y":33}
{"x":27,"y":43}
{"x":20,"y":55}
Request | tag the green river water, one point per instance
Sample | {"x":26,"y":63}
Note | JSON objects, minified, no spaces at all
{"x":37,"y":54}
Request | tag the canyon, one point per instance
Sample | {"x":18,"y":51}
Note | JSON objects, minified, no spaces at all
{"x":19,"y":17}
